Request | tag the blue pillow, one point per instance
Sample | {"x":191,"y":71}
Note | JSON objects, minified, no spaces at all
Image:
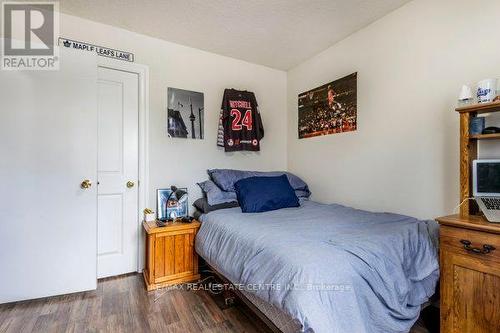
{"x":262,"y":194}
{"x":215,"y":195}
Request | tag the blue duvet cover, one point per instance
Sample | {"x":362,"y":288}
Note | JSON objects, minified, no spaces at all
{"x":334,"y":268}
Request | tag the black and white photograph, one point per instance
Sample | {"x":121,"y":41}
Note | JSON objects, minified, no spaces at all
{"x":329,"y":109}
{"x":185,"y":114}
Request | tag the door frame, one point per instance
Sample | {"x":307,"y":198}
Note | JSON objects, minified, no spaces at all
{"x":143,"y":177}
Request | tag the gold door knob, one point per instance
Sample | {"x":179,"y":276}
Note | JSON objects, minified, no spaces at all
{"x":130,"y":184}
{"x":86,"y":184}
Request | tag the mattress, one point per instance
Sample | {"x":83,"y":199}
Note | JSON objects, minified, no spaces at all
{"x":280,"y":319}
{"x":329,"y":267}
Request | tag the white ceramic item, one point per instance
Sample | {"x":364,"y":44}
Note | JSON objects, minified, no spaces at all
{"x":486,"y":90}
{"x":150,"y":217}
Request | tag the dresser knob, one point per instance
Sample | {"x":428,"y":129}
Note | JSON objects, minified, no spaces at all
{"x":465,"y":242}
{"x":488,"y":248}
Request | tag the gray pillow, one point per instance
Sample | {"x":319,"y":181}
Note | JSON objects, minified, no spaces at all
{"x":303,"y":194}
{"x":225,"y":179}
{"x":202,"y":205}
{"x":215,"y":195}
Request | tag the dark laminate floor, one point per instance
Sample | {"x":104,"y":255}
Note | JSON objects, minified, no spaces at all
{"x":122,"y":304}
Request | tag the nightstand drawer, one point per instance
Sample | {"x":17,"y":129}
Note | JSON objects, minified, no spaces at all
{"x":478,"y":244}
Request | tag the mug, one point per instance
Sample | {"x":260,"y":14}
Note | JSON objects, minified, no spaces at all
{"x":486,"y":90}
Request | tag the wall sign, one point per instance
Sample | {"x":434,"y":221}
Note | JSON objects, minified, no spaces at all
{"x":100,"y":50}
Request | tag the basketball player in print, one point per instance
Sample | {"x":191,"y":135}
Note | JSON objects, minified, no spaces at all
{"x":332,"y":104}
{"x":335,"y":109}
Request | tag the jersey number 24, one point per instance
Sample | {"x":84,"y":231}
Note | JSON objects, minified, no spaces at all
{"x":239,"y":122}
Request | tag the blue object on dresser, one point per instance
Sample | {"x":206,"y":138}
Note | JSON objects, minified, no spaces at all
{"x":477,"y":125}
{"x":263,"y":194}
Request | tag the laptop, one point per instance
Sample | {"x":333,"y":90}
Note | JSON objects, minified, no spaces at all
{"x":486,"y":187}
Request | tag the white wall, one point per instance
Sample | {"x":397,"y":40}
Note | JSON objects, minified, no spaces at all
{"x":411,"y":64}
{"x":404,"y":156}
{"x":183,"y":162}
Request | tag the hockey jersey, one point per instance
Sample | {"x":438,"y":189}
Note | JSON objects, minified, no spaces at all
{"x":240,"y":125}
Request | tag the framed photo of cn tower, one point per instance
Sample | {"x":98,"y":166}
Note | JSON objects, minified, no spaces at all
{"x":185,"y":114}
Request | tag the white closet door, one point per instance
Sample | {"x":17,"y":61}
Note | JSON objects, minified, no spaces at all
{"x":118,"y":164}
{"x":48,"y":146}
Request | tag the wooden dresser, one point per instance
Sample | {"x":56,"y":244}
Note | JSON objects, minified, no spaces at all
{"x":470,"y":274}
{"x":170,"y":254}
{"x":470,"y":246}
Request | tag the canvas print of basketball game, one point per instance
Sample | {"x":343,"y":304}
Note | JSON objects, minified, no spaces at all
{"x":329,"y":109}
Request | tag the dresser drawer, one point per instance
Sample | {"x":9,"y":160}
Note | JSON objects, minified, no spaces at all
{"x":470,"y":281}
{"x":456,"y":240}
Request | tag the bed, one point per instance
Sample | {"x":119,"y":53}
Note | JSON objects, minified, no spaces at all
{"x":325,"y":268}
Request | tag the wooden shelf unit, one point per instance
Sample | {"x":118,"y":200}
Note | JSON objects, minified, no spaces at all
{"x":480,"y":108}
{"x":469,"y":248}
{"x":485,"y":136}
{"x":468,"y":151}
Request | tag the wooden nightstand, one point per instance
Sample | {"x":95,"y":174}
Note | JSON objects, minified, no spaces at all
{"x":470,"y":274}
{"x":170,"y":255}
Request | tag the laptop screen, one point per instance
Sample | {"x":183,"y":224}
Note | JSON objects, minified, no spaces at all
{"x":488,"y":177}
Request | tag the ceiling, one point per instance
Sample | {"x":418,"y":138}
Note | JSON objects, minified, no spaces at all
{"x":275,"y":33}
